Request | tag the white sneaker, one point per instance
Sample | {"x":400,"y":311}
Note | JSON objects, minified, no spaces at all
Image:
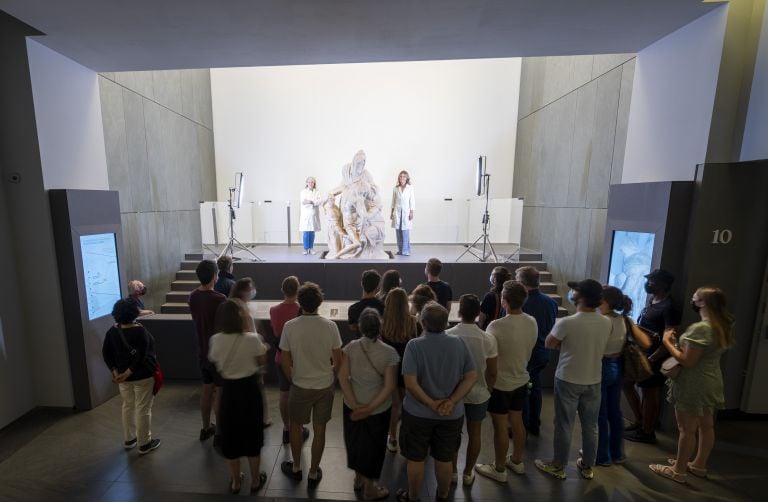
{"x":468,"y":480}
{"x":489,"y":471}
{"x":306,"y":252}
{"x":586,"y":472}
{"x":516,"y":468}
{"x":392,"y":445}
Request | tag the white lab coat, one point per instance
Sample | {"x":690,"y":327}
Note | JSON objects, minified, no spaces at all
{"x":309,"y":216}
{"x":403,"y":203}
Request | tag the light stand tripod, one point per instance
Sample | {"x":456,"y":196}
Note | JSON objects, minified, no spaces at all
{"x":487,"y":249}
{"x":234,"y":243}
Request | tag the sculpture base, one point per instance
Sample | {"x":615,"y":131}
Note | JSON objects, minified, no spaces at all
{"x":384,"y":255}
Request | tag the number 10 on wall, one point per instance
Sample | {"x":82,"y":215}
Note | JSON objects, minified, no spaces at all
{"x":723,"y":236}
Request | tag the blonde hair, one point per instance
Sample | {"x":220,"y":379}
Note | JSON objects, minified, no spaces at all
{"x":720,"y":319}
{"x":407,"y":181}
{"x":399,"y":325}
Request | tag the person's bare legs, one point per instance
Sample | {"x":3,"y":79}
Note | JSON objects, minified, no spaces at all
{"x":397,"y":406}
{"x":255,"y":463}
{"x":518,"y":437}
{"x":630,"y":392}
{"x":318,"y":446}
{"x":296,"y":442}
{"x":443,"y":472}
{"x":234,"y":473}
{"x":474,"y":443}
{"x":284,"y":410}
{"x":687,"y":425}
{"x":500,"y":440}
{"x":206,"y":404}
{"x":216,"y":405}
{"x":416,"y":478}
{"x":651,"y":409}
{"x":706,"y":441}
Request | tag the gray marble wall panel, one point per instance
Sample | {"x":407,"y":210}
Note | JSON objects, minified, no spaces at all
{"x":160,"y":156}
{"x":573,"y":113}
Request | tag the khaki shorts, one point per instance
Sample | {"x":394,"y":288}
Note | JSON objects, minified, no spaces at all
{"x":314,"y":403}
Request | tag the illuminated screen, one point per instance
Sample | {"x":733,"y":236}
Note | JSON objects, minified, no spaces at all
{"x":631,"y":256}
{"x":102,"y":275}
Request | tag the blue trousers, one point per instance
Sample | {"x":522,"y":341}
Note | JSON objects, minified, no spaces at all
{"x":309,"y":240}
{"x":610,"y":443}
{"x":570,"y":398}
{"x":403,"y":241}
{"x":532,"y":405}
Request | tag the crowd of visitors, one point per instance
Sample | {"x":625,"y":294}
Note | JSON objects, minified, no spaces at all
{"x":409,"y":383}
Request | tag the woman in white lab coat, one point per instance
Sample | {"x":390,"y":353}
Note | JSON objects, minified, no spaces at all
{"x":403,"y":205}
{"x":309,"y":217}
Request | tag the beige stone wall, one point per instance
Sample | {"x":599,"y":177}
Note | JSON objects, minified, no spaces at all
{"x":158,"y":134}
{"x":572,"y":128}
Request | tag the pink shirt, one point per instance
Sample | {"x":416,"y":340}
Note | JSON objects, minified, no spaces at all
{"x":278,"y":316}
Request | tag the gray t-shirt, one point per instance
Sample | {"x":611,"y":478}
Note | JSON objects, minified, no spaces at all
{"x":583,"y":338}
{"x":366,"y":376}
{"x":439,"y":362}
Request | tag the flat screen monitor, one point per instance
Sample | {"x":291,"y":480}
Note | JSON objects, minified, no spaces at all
{"x":631,"y":258}
{"x":101,"y":273}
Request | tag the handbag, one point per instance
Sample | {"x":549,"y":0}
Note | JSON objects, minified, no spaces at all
{"x":636,"y":366}
{"x":157,"y":374}
{"x":670,"y":368}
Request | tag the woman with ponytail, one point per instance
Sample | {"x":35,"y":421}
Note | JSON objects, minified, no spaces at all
{"x":616,"y":306}
{"x":697,"y":391}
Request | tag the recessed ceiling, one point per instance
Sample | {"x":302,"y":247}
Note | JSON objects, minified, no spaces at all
{"x":150,"y":34}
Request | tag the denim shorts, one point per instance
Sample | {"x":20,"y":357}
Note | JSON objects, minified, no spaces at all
{"x":476,"y":412}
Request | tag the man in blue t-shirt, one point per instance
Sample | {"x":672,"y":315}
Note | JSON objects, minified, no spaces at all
{"x":439,"y":371}
{"x":544,"y":309}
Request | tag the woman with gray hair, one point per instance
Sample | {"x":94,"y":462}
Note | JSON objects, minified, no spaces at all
{"x":367,"y":378}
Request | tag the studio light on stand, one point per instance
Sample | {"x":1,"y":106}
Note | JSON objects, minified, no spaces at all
{"x":235,"y":201}
{"x":482,"y":184}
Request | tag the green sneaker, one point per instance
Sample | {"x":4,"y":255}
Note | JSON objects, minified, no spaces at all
{"x":586,"y":472}
{"x":550,"y":468}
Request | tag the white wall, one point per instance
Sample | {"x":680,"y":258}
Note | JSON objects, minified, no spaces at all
{"x":755,"y":143}
{"x":672,"y":102}
{"x":68,"y":116}
{"x":279,"y":125}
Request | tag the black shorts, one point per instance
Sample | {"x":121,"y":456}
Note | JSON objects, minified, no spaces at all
{"x":420,"y":436}
{"x":209,"y":374}
{"x":504,"y":401}
{"x":282,"y":380}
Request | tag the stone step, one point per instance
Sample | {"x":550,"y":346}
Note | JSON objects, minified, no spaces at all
{"x":562,"y":312}
{"x":189,"y":264}
{"x":186,"y":275}
{"x":538,"y":264}
{"x":547,"y":287}
{"x":529,"y":256}
{"x":177,"y":297}
{"x":174,"y":308}
{"x":180,"y":285}
{"x":193,"y":256}
{"x":558,"y":299}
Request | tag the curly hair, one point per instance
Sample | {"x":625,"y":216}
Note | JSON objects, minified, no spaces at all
{"x":125,"y":311}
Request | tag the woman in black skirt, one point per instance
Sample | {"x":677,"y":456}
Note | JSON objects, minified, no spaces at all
{"x":238,"y":354}
{"x":367,"y":376}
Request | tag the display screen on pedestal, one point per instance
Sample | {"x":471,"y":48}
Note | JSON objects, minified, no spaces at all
{"x":101,"y":273}
{"x":631,"y":258}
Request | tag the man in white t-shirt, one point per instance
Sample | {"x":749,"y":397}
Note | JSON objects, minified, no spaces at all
{"x":581,"y":340}
{"x":515,"y":335}
{"x":311,"y":353}
{"x":482,"y":346}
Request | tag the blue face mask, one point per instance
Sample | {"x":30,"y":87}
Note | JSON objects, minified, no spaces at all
{"x":571,"y":298}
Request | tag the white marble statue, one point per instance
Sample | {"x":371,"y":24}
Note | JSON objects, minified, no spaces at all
{"x":356,"y":225}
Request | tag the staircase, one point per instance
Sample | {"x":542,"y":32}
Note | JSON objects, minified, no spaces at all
{"x":186,"y":282}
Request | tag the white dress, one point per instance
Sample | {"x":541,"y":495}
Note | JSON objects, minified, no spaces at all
{"x":403,"y":203}
{"x":309,"y":216}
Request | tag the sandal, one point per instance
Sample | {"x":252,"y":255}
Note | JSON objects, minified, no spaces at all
{"x":379,"y":493}
{"x":668,"y":472}
{"x":234,"y":490}
{"x":696,"y":471}
{"x":402,"y":496}
{"x":262,"y":480}
{"x":313,"y":482}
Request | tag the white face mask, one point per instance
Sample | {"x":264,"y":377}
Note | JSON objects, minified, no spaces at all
{"x":253,"y":294}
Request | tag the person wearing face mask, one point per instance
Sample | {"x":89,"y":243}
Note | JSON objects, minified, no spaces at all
{"x":137,"y":289}
{"x":226,"y":280}
{"x":659,"y":314}
{"x":490,"y":307}
{"x":582,"y":340}
{"x":697,"y":391}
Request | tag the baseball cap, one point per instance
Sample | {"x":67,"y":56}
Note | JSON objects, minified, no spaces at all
{"x":662,"y":276}
{"x":590,"y":289}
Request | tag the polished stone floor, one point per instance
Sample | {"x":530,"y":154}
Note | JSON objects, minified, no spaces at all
{"x":54,"y":455}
